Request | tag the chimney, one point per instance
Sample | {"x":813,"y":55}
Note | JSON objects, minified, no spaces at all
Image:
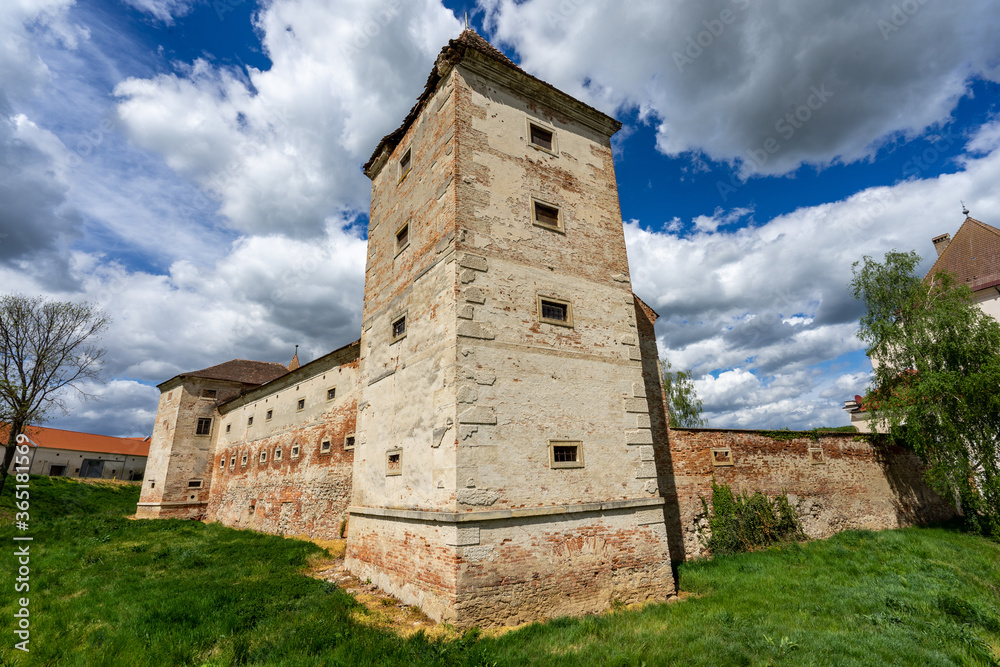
{"x":941,"y":242}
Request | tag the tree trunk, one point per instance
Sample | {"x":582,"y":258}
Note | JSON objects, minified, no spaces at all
{"x":8,"y":454}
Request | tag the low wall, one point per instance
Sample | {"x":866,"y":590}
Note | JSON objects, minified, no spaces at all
{"x":836,"y":481}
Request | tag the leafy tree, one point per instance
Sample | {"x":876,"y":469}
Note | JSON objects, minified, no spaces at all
{"x":682,"y":399}
{"x":936,"y":379}
{"x":46,"y":347}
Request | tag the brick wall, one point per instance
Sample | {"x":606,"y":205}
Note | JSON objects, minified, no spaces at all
{"x":844,"y":483}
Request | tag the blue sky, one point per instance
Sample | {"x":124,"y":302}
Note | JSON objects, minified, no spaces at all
{"x":194,"y":168}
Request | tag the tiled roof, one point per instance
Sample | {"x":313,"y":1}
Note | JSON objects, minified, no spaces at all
{"x":973,"y":255}
{"x":55,"y":438}
{"x":241,"y":370}
{"x":453,"y":53}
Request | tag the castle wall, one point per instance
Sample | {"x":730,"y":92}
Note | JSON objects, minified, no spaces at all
{"x":274,"y":474}
{"x":851,"y":484}
{"x":178,"y":455}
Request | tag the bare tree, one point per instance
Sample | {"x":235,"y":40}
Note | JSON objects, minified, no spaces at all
{"x":46,"y":347}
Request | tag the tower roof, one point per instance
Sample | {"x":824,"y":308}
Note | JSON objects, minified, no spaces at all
{"x":452,"y":54}
{"x":973,"y":255}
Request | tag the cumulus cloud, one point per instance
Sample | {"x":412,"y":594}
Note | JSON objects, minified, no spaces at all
{"x":280,"y":150}
{"x":767,"y":84}
{"x":765,"y":304}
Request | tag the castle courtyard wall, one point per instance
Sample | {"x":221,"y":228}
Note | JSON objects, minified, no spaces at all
{"x":836,"y":482}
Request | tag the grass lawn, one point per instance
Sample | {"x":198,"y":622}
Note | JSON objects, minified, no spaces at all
{"x":106,"y":590}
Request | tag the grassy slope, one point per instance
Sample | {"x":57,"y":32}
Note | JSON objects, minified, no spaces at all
{"x":109,"y":591}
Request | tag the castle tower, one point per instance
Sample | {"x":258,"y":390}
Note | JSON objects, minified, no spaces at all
{"x":504,"y":467}
{"x":179,"y":470}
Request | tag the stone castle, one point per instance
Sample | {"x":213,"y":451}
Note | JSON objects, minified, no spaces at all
{"x":496,"y":445}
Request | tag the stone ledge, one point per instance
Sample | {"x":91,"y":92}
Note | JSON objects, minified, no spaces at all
{"x":494,"y":515}
{"x":188,"y":503}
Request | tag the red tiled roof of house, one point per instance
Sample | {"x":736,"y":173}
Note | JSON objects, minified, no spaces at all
{"x":56,"y":438}
{"x":241,"y":370}
{"x":453,"y":53}
{"x":973,"y":255}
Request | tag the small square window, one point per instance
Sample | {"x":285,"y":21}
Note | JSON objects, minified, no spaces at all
{"x":209,"y":393}
{"x":250,"y":420}
{"x":546,"y":215}
{"x":349,"y":441}
{"x":301,"y":405}
{"x":324,"y":447}
{"x":232,"y":461}
{"x":331,"y":393}
{"x":404,"y":164}
{"x":222,"y":463}
{"x":816,"y":456}
{"x":277,"y":454}
{"x":204,"y":426}
{"x":295,"y":451}
{"x":152,"y":485}
{"x":243,"y":461}
{"x":394,"y":462}
{"x":194,"y":484}
{"x":228,"y":426}
{"x":398,"y":328}
{"x":565,"y":454}
{"x":555,"y":311}
{"x":263,"y":456}
{"x":540,"y":137}
{"x":722,"y":456}
{"x":403,"y":237}
{"x":268,"y":415}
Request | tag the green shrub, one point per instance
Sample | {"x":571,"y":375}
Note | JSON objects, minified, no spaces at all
{"x":746,"y":521}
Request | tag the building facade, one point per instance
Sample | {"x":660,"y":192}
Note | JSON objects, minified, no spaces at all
{"x":496,"y":446}
{"x":60,"y":453}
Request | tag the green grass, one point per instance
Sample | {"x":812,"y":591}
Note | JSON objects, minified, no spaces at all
{"x":110,"y":591}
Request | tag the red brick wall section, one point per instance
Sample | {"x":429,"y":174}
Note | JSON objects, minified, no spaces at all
{"x":857,"y":485}
{"x":306,"y":496}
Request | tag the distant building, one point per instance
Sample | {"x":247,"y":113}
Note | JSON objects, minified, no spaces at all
{"x":973,"y":256}
{"x":60,"y":453}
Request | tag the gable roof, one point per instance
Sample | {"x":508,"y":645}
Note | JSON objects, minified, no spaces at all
{"x":57,"y":438}
{"x":973,"y":255}
{"x":452,"y":54}
{"x":239,"y":370}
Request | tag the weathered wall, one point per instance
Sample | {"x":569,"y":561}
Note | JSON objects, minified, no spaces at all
{"x":855,"y":485}
{"x":303,"y":491}
{"x":177,"y":454}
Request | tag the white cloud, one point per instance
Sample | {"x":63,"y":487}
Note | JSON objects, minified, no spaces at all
{"x":163,"y":10}
{"x":281,"y":149}
{"x":768,"y":83}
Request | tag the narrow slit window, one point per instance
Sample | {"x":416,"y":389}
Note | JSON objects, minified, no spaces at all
{"x":541,"y":137}
{"x":546,"y":215}
{"x":243,"y":461}
{"x":403,"y":237}
{"x":398,"y":328}
{"x":301,"y":405}
{"x":277,"y":454}
{"x":404,"y":164}
{"x":295,"y":452}
{"x":394,"y":462}
{"x":263,"y":456}
{"x":222,"y":463}
{"x":250,"y":421}
{"x":269,"y":415}
{"x":228,"y":426}
{"x":204,"y":426}
{"x":232,"y":461}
